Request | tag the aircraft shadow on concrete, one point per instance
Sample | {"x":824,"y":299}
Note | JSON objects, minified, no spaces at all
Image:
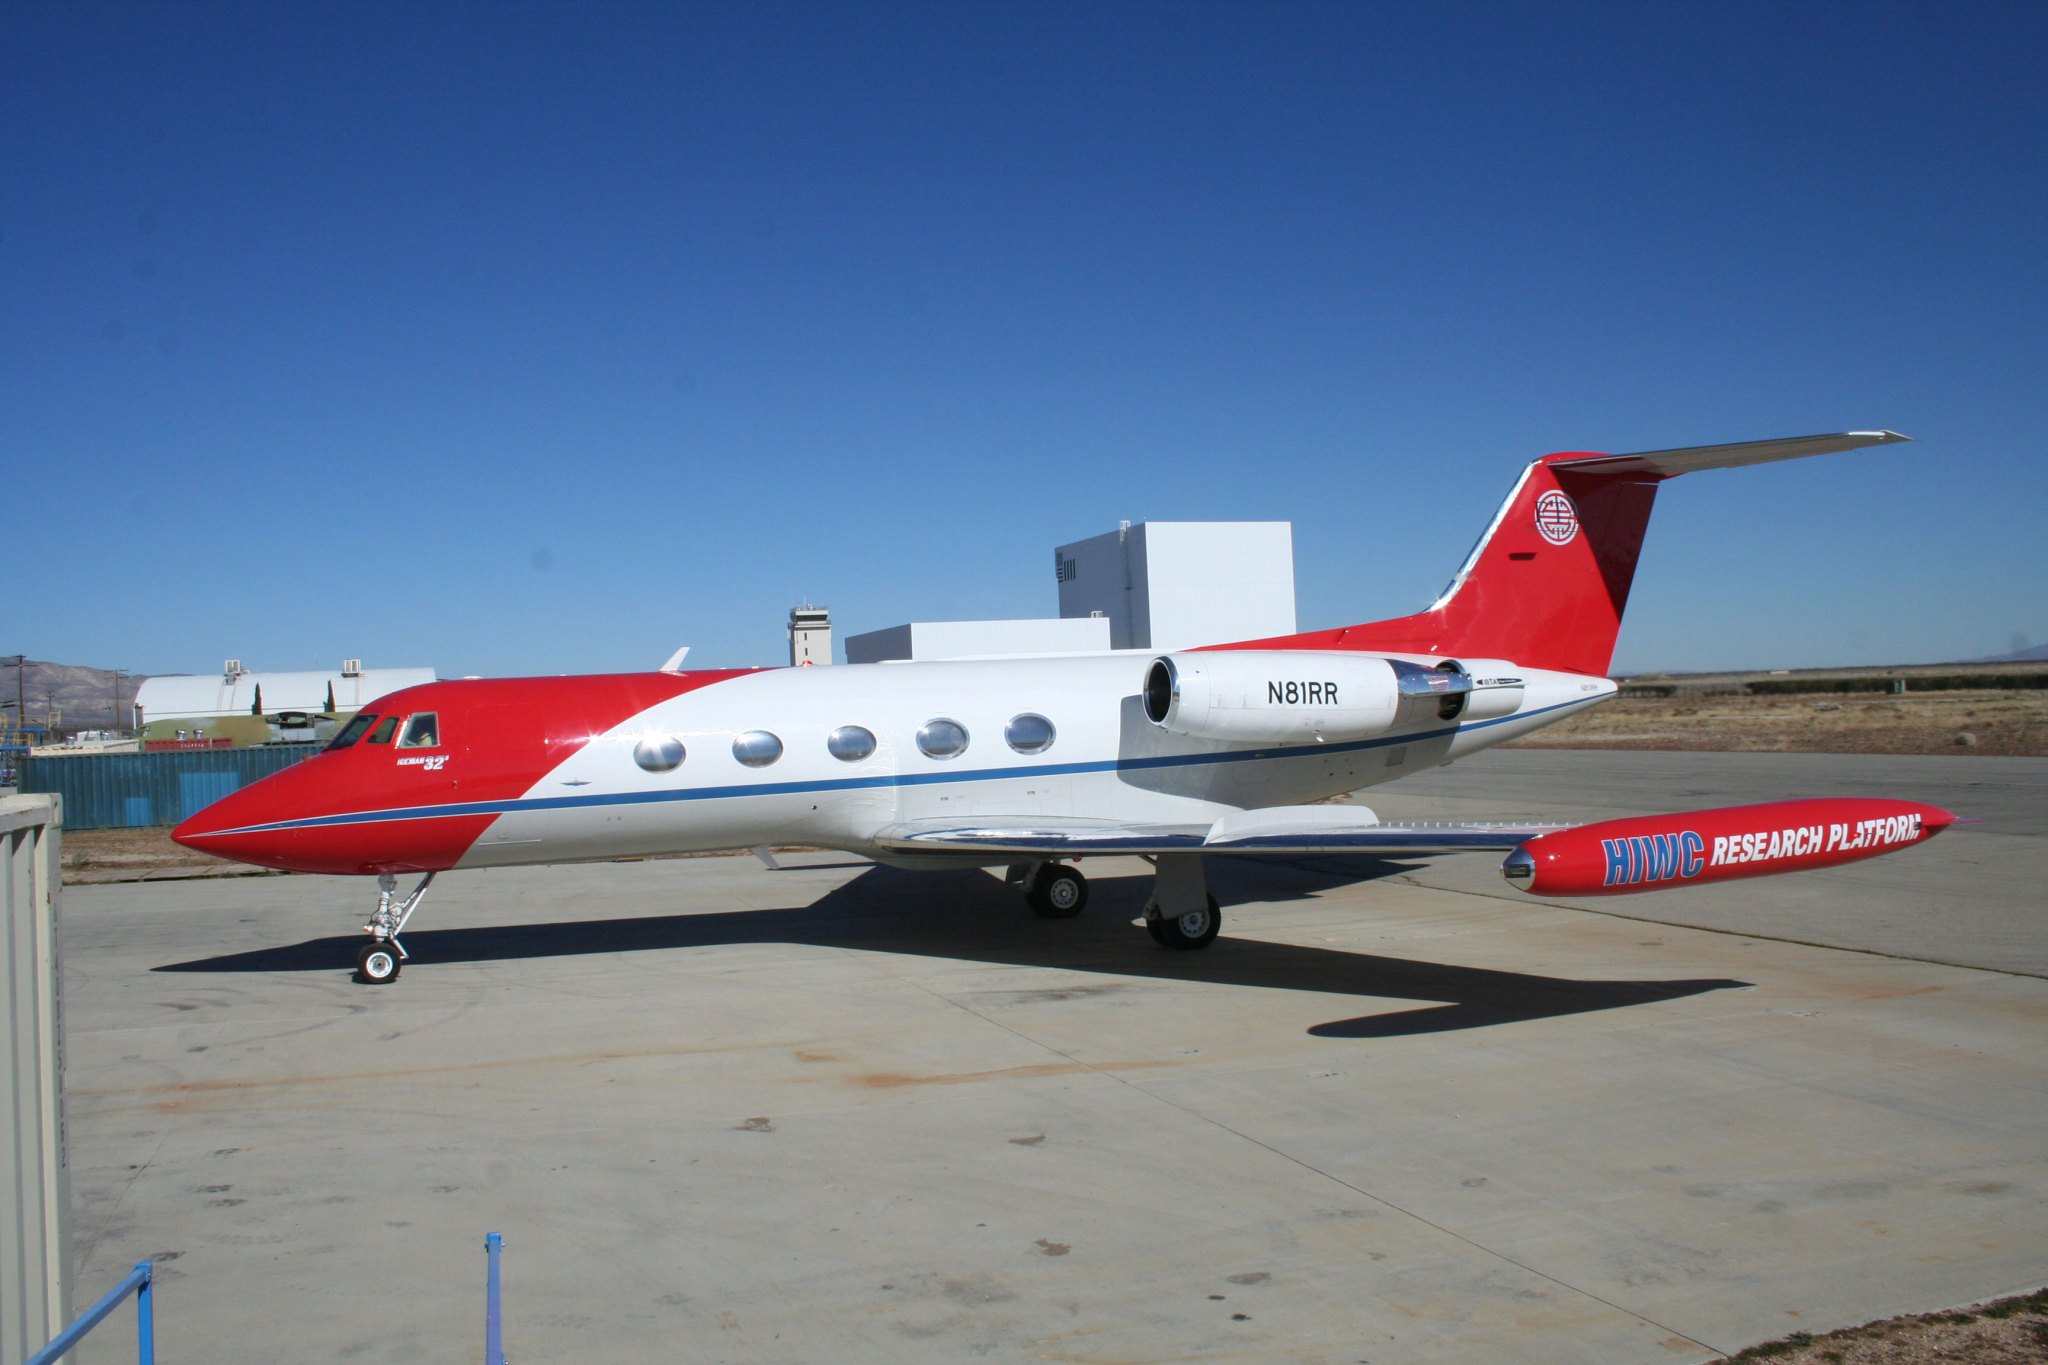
{"x":967,"y":916}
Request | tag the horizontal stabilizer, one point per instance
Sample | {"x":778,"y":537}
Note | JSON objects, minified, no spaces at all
{"x":1666,"y":464}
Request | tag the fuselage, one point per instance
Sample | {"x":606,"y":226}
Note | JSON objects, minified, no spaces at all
{"x":541,"y":770}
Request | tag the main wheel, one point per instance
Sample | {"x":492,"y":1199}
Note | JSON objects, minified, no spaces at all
{"x":377,"y":964}
{"x":1195,"y":929}
{"x":1058,"y":892}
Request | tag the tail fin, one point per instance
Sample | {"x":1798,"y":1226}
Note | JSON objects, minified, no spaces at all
{"x":1547,"y":583}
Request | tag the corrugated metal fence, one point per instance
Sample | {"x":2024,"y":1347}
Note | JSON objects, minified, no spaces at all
{"x":128,"y":791}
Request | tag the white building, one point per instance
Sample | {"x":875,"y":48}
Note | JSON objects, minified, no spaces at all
{"x":977,"y":639}
{"x":1173,"y":584}
{"x":1156,"y":585}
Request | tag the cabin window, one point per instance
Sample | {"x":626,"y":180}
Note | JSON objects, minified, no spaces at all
{"x":850,"y":743}
{"x":385,"y":728}
{"x":756,"y":748}
{"x":942,"y":738}
{"x":422,"y":731}
{"x":353,"y":731}
{"x":659,"y":753}
{"x":1029,"y":733}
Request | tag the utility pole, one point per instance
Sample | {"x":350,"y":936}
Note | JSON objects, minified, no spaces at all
{"x":20,"y":662}
{"x":117,"y":699}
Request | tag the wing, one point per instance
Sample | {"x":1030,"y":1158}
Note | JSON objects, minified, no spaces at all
{"x":1276,"y":829}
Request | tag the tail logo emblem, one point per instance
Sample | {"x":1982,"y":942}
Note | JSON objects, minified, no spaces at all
{"x":1556,"y":519}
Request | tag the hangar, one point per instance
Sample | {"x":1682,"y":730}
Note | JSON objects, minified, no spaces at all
{"x":240,"y":709}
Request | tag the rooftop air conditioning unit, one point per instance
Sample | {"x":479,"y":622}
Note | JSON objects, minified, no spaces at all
{"x":232,"y":668}
{"x":351,"y":668}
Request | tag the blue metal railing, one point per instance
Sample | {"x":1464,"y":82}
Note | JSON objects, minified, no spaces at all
{"x":137,"y":1283}
{"x":143,"y":1276}
{"x":494,"y":1328}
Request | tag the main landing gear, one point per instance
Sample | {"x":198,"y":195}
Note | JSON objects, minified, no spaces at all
{"x":378,"y":962}
{"x":1179,"y":914}
{"x":1056,"y":891}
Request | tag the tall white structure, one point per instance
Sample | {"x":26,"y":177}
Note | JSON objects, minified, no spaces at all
{"x":1172,"y":584}
{"x":810,"y":636}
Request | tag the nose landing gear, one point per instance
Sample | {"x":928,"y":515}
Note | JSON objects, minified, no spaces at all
{"x":378,"y":962}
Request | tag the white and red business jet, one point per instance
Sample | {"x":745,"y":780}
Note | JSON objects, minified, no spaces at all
{"x":1032,"y":762}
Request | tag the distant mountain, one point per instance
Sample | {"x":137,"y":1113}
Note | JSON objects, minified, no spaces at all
{"x":84,"y":697}
{"x":2019,"y":656}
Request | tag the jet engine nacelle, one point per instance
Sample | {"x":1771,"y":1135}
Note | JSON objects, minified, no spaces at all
{"x":1311,"y":696}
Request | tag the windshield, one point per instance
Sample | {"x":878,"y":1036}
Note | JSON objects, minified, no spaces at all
{"x":353,"y":731}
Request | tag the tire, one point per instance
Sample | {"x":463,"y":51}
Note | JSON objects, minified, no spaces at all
{"x":1058,"y":893}
{"x":377,"y":964}
{"x":1195,"y":929}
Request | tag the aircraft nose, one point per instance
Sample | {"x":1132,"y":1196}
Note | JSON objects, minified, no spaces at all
{"x":243,"y":825}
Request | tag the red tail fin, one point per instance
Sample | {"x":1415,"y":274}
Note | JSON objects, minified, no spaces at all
{"x":1547,"y":583}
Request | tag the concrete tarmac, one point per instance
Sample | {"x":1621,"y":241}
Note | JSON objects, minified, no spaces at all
{"x":835,"y":1112}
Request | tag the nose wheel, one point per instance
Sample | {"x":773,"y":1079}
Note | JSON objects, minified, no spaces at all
{"x":378,"y":961}
{"x":376,"y":964}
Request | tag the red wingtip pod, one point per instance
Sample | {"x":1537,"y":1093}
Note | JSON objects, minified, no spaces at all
{"x":1657,"y":852}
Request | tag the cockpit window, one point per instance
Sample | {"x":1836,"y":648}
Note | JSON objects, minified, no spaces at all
{"x":382,"y":734}
{"x":353,"y":731}
{"x":422,"y":731}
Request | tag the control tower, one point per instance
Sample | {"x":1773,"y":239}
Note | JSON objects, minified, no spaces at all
{"x":810,"y":636}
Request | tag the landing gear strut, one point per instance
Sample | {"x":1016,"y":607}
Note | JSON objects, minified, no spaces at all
{"x":1181,"y":913}
{"x":378,"y":962}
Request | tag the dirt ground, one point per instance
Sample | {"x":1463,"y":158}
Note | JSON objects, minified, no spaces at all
{"x":2005,"y":723}
{"x":2006,"y":1332}
{"x":130,"y":855}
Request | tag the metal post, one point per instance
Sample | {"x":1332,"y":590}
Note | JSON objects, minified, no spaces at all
{"x":145,"y":1314}
{"x":494,"y":1332}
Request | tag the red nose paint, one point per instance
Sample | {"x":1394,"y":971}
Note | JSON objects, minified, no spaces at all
{"x":1657,"y":852}
{"x":365,"y":809}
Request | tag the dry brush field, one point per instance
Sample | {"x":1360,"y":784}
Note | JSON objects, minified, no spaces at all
{"x":1975,"y":722}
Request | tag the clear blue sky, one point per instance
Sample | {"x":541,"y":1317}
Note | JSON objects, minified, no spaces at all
{"x":511,"y":338}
